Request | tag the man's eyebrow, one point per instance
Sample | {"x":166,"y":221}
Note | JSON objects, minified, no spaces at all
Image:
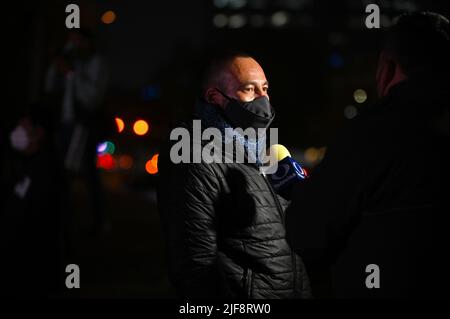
{"x":254,"y":83}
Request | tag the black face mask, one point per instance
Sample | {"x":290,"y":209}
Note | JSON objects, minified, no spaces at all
{"x":256,"y":114}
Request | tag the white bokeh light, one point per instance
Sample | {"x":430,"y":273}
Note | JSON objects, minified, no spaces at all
{"x":220,"y":20}
{"x":350,"y":112}
{"x":220,"y":3}
{"x":237,"y":21}
{"x":280,"y":19}
{"x":237,"y":4}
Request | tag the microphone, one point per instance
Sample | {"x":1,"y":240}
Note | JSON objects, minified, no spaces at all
{"x":288,"y":173}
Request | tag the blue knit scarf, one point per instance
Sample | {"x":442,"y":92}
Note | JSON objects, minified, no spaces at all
{"x":211,"y":116}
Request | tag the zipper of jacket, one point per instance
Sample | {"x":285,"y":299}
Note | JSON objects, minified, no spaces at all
{"x":280,"y":211}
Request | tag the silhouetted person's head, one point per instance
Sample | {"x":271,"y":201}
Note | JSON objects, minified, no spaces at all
{"x":417,"y":45}
{"x":80,"y":42}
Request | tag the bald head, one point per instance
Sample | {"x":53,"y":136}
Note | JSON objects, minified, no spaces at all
{"x":238,"y":76}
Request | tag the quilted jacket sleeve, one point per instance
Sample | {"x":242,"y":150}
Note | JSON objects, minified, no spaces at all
{"x":187,"y":195}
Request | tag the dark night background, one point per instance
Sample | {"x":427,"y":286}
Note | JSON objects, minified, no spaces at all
{"x":316,"y":54}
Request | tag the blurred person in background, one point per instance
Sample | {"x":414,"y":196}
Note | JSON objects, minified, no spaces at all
{"x":32,"y":220}
{"x":380,"y":197}
{"x":223,"y":223}
{"x":76,"y":84}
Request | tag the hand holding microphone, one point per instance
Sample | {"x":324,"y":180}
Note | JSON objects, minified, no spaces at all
{"x":288,"y":173}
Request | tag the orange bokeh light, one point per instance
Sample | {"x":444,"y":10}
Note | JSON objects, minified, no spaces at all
{"x":140,"y":127}
{"x":109,"y":17}
{"x":120,"y":124}
{"x":125,"y":162}
{"x":152,"y":165}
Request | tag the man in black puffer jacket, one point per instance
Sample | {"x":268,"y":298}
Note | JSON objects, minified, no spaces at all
{"x":223,"y":222}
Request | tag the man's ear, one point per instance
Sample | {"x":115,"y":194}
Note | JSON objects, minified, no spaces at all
{"x":385,"y":75}
{"x":213,"y":97}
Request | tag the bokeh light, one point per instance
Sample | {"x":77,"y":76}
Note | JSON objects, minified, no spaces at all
{"x":360,"y":96}
{"x":106,"y":147}
{"x":237,"y":21}
{"x":336,"y":60}
{"x":221,"y":3}
{"x":237,"y":4}
{"x":350,"y":112}
{"x":108,"y":17}
{"x":220,"y":20}
{"x":312,"y":155}
{"x":106,"y":161}
{"x":140,"y":127}
{"x":125,"y":162}
{"x":101,"y":148}
{"x":152,"y":165}
{"x":151,"y":92}
{"x":280,"y":19}
{"x":120,"y":124}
